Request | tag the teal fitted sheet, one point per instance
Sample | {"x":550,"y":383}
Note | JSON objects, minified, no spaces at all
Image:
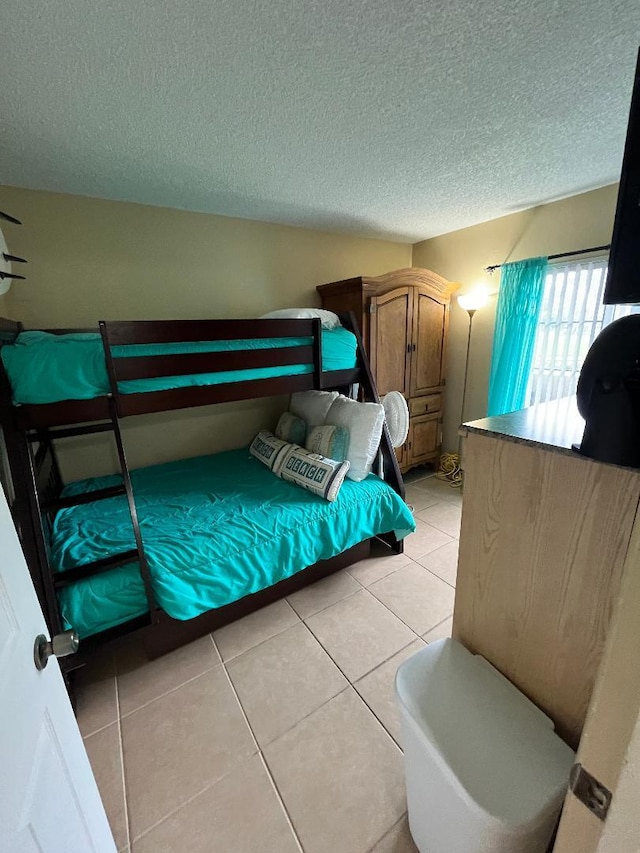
{"x":215,"y":528}
{"x":46,"y":368}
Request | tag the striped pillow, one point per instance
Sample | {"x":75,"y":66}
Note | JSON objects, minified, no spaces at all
{"x":313,"y":472}
{"x":269,"y":450}
{"x":328,"y":440}
{"x":291,"y":428}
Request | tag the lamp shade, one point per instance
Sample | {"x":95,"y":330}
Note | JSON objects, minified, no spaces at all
{"x":474,"y":299}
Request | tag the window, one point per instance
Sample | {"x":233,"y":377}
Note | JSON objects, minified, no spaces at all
{"x":571,"y":317}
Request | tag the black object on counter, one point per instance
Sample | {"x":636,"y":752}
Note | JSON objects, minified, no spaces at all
{"x":609,"y":395}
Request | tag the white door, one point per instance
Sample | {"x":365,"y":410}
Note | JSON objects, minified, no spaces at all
{"x":49,"y":802}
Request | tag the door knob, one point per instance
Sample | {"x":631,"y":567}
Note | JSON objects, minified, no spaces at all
{"x":62,"y":645}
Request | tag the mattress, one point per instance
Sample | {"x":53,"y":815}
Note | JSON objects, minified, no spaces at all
{"x":215,"y":528}
{"x":46,"y":368}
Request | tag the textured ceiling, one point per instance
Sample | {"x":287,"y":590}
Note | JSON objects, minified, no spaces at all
{"x":404,"y":119}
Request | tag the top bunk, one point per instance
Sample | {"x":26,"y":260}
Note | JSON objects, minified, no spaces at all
{"x":61,"y":377}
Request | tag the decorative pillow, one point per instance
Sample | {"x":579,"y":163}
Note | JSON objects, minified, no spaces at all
{"x":313,"y":472}
{"x":329,"y":441}
{"x":328,"y":319}
{"x":269,"y":450}
{"x":364,"y":422}
{"x":292,"y":429}
{"x":312,"y":406}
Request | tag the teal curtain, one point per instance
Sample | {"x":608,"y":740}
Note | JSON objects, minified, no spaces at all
{"x":517,"y":314}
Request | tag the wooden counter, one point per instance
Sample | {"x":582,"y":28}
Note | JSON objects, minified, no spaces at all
{"x":543,"y":541}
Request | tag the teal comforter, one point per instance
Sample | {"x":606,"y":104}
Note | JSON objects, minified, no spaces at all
{"x":46,"y":368}
{"x":215,"y":528}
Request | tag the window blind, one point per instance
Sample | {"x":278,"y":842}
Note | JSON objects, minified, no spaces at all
{"x":571,"y":317}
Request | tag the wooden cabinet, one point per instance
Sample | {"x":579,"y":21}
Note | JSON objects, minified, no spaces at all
{"x":545,"y":534}
{"x":403,"y":316}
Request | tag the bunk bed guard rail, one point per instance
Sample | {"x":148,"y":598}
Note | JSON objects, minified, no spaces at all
{"x":122,"y":368}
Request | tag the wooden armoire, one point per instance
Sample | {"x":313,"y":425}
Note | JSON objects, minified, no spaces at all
{"x":403,"y":317}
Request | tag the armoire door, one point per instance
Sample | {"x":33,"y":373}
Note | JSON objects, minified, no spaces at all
{"x":390,"y":340}
{"x":427,"y":356}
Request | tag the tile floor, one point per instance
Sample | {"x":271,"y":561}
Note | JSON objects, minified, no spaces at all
{"x":279,"y":732}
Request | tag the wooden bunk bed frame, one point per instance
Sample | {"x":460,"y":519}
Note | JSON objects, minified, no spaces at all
{"x":31,"y":430}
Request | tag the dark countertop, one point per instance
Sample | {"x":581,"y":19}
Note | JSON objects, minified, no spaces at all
{"x":556,"y":425}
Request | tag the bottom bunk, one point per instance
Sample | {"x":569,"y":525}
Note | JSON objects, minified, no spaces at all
{"x":218,"y":531}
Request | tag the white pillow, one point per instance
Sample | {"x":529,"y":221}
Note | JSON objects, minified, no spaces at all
{"x":364,"y":422}
{"x":312,"y":406}
{"x":313,"y":472}
{"x":328,"y":318}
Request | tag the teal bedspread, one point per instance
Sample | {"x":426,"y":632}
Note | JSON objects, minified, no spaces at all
{"x":215,"y":528}
{"x":46,"y":368}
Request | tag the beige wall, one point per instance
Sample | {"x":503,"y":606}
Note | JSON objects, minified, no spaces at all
{"x":574,"y":223}
{"x":91,"y":259}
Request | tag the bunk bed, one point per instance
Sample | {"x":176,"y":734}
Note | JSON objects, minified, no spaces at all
{"x":111,"y":539}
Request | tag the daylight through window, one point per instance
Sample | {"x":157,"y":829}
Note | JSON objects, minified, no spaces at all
{"x":571,"y":317}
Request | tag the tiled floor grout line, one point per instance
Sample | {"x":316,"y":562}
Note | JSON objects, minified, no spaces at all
{"x":431,"y":572}
{"x":188,"y":801}
{"x":224,"y":775}
{"x":413,"y":630}
{"x":326,"y":701}
{"x":244,"y":715}
{"x":440,"y":530}
{"x":262,"y":758}
{"x":120,"y":718}
{"x":326,"y":607}
{"x":87,"y":735}
{"x":215,"y":648}
{"x":257,"y":645}
{"x":364,"y":586}
{"x":281,"y":801}
{"x":369,"y":671}
{"x":310,"y":714}
{"x":441,"y":622}
{"x":378,"y":720}
{"x":121,"y":745}
{"x":171,"y":690}
{"x":349,"y":684}
{"x":388,"y":832}
{"x":334,"y":662}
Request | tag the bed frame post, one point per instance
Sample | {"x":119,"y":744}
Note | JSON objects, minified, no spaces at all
{"x":317,"y":353}
{"x":24,"y":506}
{"x":54,"y":620}
{"x":17,"y":459}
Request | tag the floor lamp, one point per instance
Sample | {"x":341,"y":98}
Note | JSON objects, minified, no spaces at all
{"x":450,"y":469}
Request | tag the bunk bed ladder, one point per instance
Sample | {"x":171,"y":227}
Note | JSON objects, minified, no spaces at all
{"x":46,"y":500}
{"x":54,"y":504}
{"x":133,"y":512}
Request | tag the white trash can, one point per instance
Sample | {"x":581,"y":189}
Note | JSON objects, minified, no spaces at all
{"x":485,"y":770}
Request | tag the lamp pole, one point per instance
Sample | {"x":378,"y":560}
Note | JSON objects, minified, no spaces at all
{"x":470,"y":312}
{"x":450,"y":467}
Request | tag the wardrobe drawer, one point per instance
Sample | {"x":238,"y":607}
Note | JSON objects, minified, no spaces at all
{"x":425,"y":405}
